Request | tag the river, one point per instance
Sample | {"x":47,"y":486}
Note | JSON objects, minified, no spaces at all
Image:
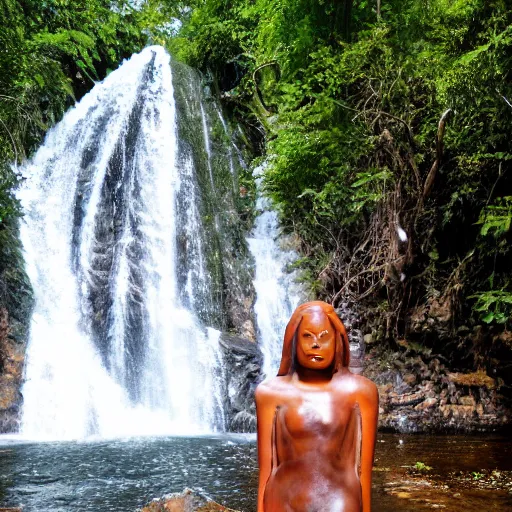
{"x":122,"y":475}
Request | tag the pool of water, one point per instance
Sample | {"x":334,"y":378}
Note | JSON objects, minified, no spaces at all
{"x":122,"y":475}
{"x":398,"y":487}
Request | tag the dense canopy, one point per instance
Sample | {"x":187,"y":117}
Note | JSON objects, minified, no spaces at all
{"x":385,"y":125}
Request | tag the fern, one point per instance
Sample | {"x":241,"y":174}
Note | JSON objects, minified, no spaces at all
{"x":496,"y":219}
{"x":494,"y":306}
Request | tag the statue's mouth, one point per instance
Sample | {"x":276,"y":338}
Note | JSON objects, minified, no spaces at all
{"x":316,"y":358}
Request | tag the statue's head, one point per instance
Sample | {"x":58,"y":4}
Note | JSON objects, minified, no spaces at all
{"x":315,"y":338}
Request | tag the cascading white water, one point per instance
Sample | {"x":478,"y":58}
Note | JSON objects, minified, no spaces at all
{"x":277,"y":291}
{"x":116,"y":347}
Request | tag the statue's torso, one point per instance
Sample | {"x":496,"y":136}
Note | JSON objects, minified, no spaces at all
{"x":315,"y":451}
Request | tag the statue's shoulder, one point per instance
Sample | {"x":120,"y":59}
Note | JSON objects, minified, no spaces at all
{"x":365,"y":390}
{"x":272,"y":388}
{"x":363,"y":382}
{"x":357,"y":386}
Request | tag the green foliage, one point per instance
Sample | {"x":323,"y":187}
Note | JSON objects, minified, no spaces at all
{"x":422,"y":467}
{"x":494,"y":306}
{"x":496,"y":219}
{"x":348,"y":101}
{"x":352,"y":102}
{"x":370,"y":188}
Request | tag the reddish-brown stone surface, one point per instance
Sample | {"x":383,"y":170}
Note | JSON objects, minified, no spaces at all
{"x":187,"y":501}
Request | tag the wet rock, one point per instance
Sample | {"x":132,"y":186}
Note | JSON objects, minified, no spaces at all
{"x":467,"y":400}
{"x":12,"y":356}
{"x":406,"y":399}
{"x":385,"y":388}
{"x":421,"y":488}
{"x":422,"y":395}
{"x":497,"y":480}
{"x":456,"y":411}
{"x":426,"y":404}
{"x":243,"y":421}
{"x":441,"y":309}
{"x":475,"y":379}
{"x":186,"y":501}
{"x":248,"y":331}
{"x":243,"y":360}
{"x":409,"y":378}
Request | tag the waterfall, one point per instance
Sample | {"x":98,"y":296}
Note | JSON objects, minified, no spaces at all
{"x":123,"y":250}
{"x":277,"y":290}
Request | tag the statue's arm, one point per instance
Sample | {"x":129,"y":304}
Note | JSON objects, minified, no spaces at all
{"x":265,"y":411}
{"x":368,"y":400}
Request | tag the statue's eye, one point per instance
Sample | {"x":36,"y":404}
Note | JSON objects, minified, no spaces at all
{"x":307,"y":335}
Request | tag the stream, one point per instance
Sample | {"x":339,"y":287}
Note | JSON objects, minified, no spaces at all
{"x":122,"y":475}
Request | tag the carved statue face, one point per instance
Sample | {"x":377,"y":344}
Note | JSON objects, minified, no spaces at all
{"x":316,"y":341}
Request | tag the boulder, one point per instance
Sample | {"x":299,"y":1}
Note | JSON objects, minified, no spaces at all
{"x":243,"y":361}
{"x":186,"y":501}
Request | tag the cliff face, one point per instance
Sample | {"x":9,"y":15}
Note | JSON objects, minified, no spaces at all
{"x":15,"y":308}
{"x":12,"y":355}
{"x":244,"y":361}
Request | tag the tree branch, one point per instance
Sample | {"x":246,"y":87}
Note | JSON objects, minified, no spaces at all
{"x":258,"y":92}
{"x":429,"y":182}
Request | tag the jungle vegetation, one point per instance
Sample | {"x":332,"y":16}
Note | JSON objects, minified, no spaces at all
{"x":385,"y":126}
{"x":387,"y":133}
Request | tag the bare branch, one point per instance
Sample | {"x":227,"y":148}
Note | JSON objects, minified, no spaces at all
{"x":258,"y":92}
{"x":504,"y":99}
{"x":429,"y":182}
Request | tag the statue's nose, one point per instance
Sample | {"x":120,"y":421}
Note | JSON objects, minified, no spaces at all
{"x":315,"y":345}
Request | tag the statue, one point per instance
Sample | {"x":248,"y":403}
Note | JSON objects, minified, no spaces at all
{"x":317,"y":421}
